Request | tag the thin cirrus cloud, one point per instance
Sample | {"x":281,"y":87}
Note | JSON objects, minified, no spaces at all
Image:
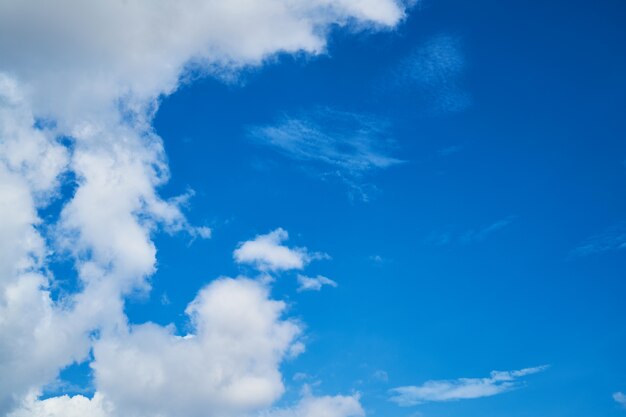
{"x":461,"y":389}
{"x":96,"y":72}
{"x":267,"y":253}
{"x":345,"y":144}
{"x":469,"y":236}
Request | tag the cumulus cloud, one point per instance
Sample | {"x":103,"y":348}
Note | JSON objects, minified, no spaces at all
{"x":77,"y":58}
{"x":66,"y":406}
{"x":80,"y":406}
{"x":228,"y":364}
{"x":268,"y":254}
{"x":36,"y":336}
{"x":326,"y":406}
{"x":462,"y":388}
{"x":620,"y":398}
{"x":314,"y":283}
{"x":92,"y":74}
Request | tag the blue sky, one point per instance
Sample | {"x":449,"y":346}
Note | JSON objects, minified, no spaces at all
{"x":452,"y":186}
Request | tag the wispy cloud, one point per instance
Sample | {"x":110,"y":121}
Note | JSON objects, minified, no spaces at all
{"x":314,"y":283}
{"x":462,"y":388}
{"x":435,"y":68}
{"x":341,"y":144}
{"x":470,"y":236}
{"x":620,"y":398}
{"x":612,"y":239}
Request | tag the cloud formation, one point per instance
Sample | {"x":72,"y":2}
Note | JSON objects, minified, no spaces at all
{"x":333,"y":144}
{"x":326,"y":406}
{"x":79,"y":86}
{"x":268,"y":254}
{"x":228,"y":364}
{"x":462,"y":388}
{"x":314,"y":283}
{"x":620,"y":398}
{"x":349,"y":142}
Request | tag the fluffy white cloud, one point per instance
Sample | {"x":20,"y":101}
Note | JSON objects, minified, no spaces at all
{"x":93,"y":73}
{"x":314,"y":283}
{"x":36,"y":337}
{"x":77,"y":60}
{"x":65,"y":406}
{"x":326,"y":406}
{"x":228,"y":365}
{"x":267,"y":253}
{"x":620,"y":398}
{"x":462,"y":388}
{"x":98,"y":406}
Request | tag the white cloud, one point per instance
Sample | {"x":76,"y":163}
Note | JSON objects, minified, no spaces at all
{"x":350,"y":142}
{"x":325,"y":406}
{"x":620,"y":398}
{"x":35,"y":336}
{"x":462,"y":388}
{"x":65,"y":406}
{"x":334,"y":144}
{"x":229,"y":364}
{"x":268,"y":254}
{"x":78,"y":59}
{"x":314,"y":283}
{"x":98,"y":406}
{"x":94,"y":74}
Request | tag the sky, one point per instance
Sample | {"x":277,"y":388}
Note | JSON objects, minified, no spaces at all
{"x":285,"y":208}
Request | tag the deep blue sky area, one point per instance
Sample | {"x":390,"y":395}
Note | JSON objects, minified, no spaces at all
{"x":497,"y":243}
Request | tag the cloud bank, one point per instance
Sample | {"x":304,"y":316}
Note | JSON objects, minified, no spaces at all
{"x":79,"y":85}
